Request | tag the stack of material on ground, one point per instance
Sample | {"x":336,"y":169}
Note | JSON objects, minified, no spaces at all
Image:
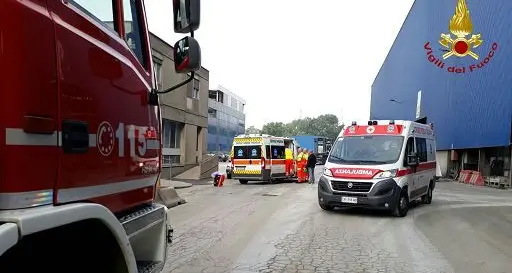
{"x":500,"y":182}
{"x":476,"y":178}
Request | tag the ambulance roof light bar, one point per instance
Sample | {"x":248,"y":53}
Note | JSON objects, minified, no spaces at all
{"x":372,"y":122}
{"x":392,"y":122}
{"x":354,"y":123}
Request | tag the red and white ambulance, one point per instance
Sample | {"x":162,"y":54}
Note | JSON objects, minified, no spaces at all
{"x":380,"y":165}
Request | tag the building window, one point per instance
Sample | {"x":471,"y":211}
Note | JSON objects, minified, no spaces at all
{"x":212,"y":129}
{"x":212,"y":95}
{"x":133,"y":29}
{"x":169,"y":160}
{"x":171,"y":133}
{"x":195,"y":89}
{"x":158,"y":74}
{"x":99,"y":10}
{"x":212,"y":112}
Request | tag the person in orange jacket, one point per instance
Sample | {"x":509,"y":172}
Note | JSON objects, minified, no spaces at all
{"x":300,"y":168}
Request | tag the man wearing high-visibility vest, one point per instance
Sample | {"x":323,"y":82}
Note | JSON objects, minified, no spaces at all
{"x":300,"y":172}
{"x":305,"y":157}
{"x":288,"y":161}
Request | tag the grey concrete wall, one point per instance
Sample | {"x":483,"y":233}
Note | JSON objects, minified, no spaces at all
{"x":179,"y":105}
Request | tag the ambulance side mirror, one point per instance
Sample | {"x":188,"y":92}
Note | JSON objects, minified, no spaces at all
{"x":412,"y":160}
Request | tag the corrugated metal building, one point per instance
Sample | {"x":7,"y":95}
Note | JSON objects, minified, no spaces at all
{"x":468,"y":98}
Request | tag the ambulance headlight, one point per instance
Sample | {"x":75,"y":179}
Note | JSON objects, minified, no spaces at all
{"x":327,"y":172}
{"x":387,"y":174}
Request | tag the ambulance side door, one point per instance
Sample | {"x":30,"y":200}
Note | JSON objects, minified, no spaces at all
{"x":422,"y":170}
{"x":410,"y":178}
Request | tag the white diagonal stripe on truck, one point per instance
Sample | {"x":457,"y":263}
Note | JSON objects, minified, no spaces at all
{"x":17,"y":137}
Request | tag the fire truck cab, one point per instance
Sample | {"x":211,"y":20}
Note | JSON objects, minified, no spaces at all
{"x":380,"y":165}
{"x":80,"y":147}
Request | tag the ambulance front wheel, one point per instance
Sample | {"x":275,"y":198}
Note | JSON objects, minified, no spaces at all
{"x":325,"y":206}
{"x":427,"y":198}
{"x":402,"y":205}
{"x":242,"y":181}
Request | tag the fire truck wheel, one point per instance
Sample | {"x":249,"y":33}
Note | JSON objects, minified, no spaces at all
{"x":402,"y":206}
{"x":243,"y":182}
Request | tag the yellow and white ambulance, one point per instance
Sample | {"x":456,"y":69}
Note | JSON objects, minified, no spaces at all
{"x":260,"y":157}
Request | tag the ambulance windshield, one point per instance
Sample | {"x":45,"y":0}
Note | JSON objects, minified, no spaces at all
{"x":366,"y":150}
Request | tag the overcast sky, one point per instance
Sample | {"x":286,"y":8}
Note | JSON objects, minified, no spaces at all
{"x":292,"y":57}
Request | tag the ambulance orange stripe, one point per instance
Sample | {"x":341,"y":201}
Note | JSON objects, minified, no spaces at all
{"x":247,"y":161}
{"x":257,"y":161}
{"x":275,"y":161}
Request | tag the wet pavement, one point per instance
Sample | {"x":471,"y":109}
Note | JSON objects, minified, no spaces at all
{"x":280,"y":228}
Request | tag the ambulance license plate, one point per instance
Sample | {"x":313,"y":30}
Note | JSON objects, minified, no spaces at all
{"x":351,"y":200}
{"x":240,"y":167}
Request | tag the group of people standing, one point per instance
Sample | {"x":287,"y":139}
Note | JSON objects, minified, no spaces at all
{"x":306,"y":162}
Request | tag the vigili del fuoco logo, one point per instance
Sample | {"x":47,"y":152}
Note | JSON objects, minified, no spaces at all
{"x":458,"y":45}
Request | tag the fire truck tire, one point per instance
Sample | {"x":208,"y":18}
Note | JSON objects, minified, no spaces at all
{"x":402,"y":205}
{"x":242,"y":181}
{"x":72,"y":244}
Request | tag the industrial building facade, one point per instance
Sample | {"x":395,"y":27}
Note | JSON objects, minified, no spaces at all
{"x":226,"y":119}
{"x":450,"y":63}
{"x":184,"y":111}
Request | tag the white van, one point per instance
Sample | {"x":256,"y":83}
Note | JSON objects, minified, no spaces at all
{"x":380,"y":165}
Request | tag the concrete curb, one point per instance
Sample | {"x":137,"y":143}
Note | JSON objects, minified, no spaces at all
{"x":175,"y":184}
{"x":183,"y":185}
{"x":169,"y":197}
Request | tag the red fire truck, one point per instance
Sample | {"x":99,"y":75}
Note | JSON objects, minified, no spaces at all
{"x":80,"y":148}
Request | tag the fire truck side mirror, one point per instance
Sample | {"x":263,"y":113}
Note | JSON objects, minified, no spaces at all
{"x":186,"y":15}
{"x":187,"y":55}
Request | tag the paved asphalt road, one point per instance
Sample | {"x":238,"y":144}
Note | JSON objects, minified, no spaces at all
{"x":281,"y":228}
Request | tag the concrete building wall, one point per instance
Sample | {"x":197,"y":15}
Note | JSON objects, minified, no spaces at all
{"x":184,"y":111}
{"x":443,"y":161}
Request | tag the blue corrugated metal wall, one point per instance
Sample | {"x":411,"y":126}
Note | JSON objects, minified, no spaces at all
{"x":469,"y":110}
{"x":306,"y":141}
